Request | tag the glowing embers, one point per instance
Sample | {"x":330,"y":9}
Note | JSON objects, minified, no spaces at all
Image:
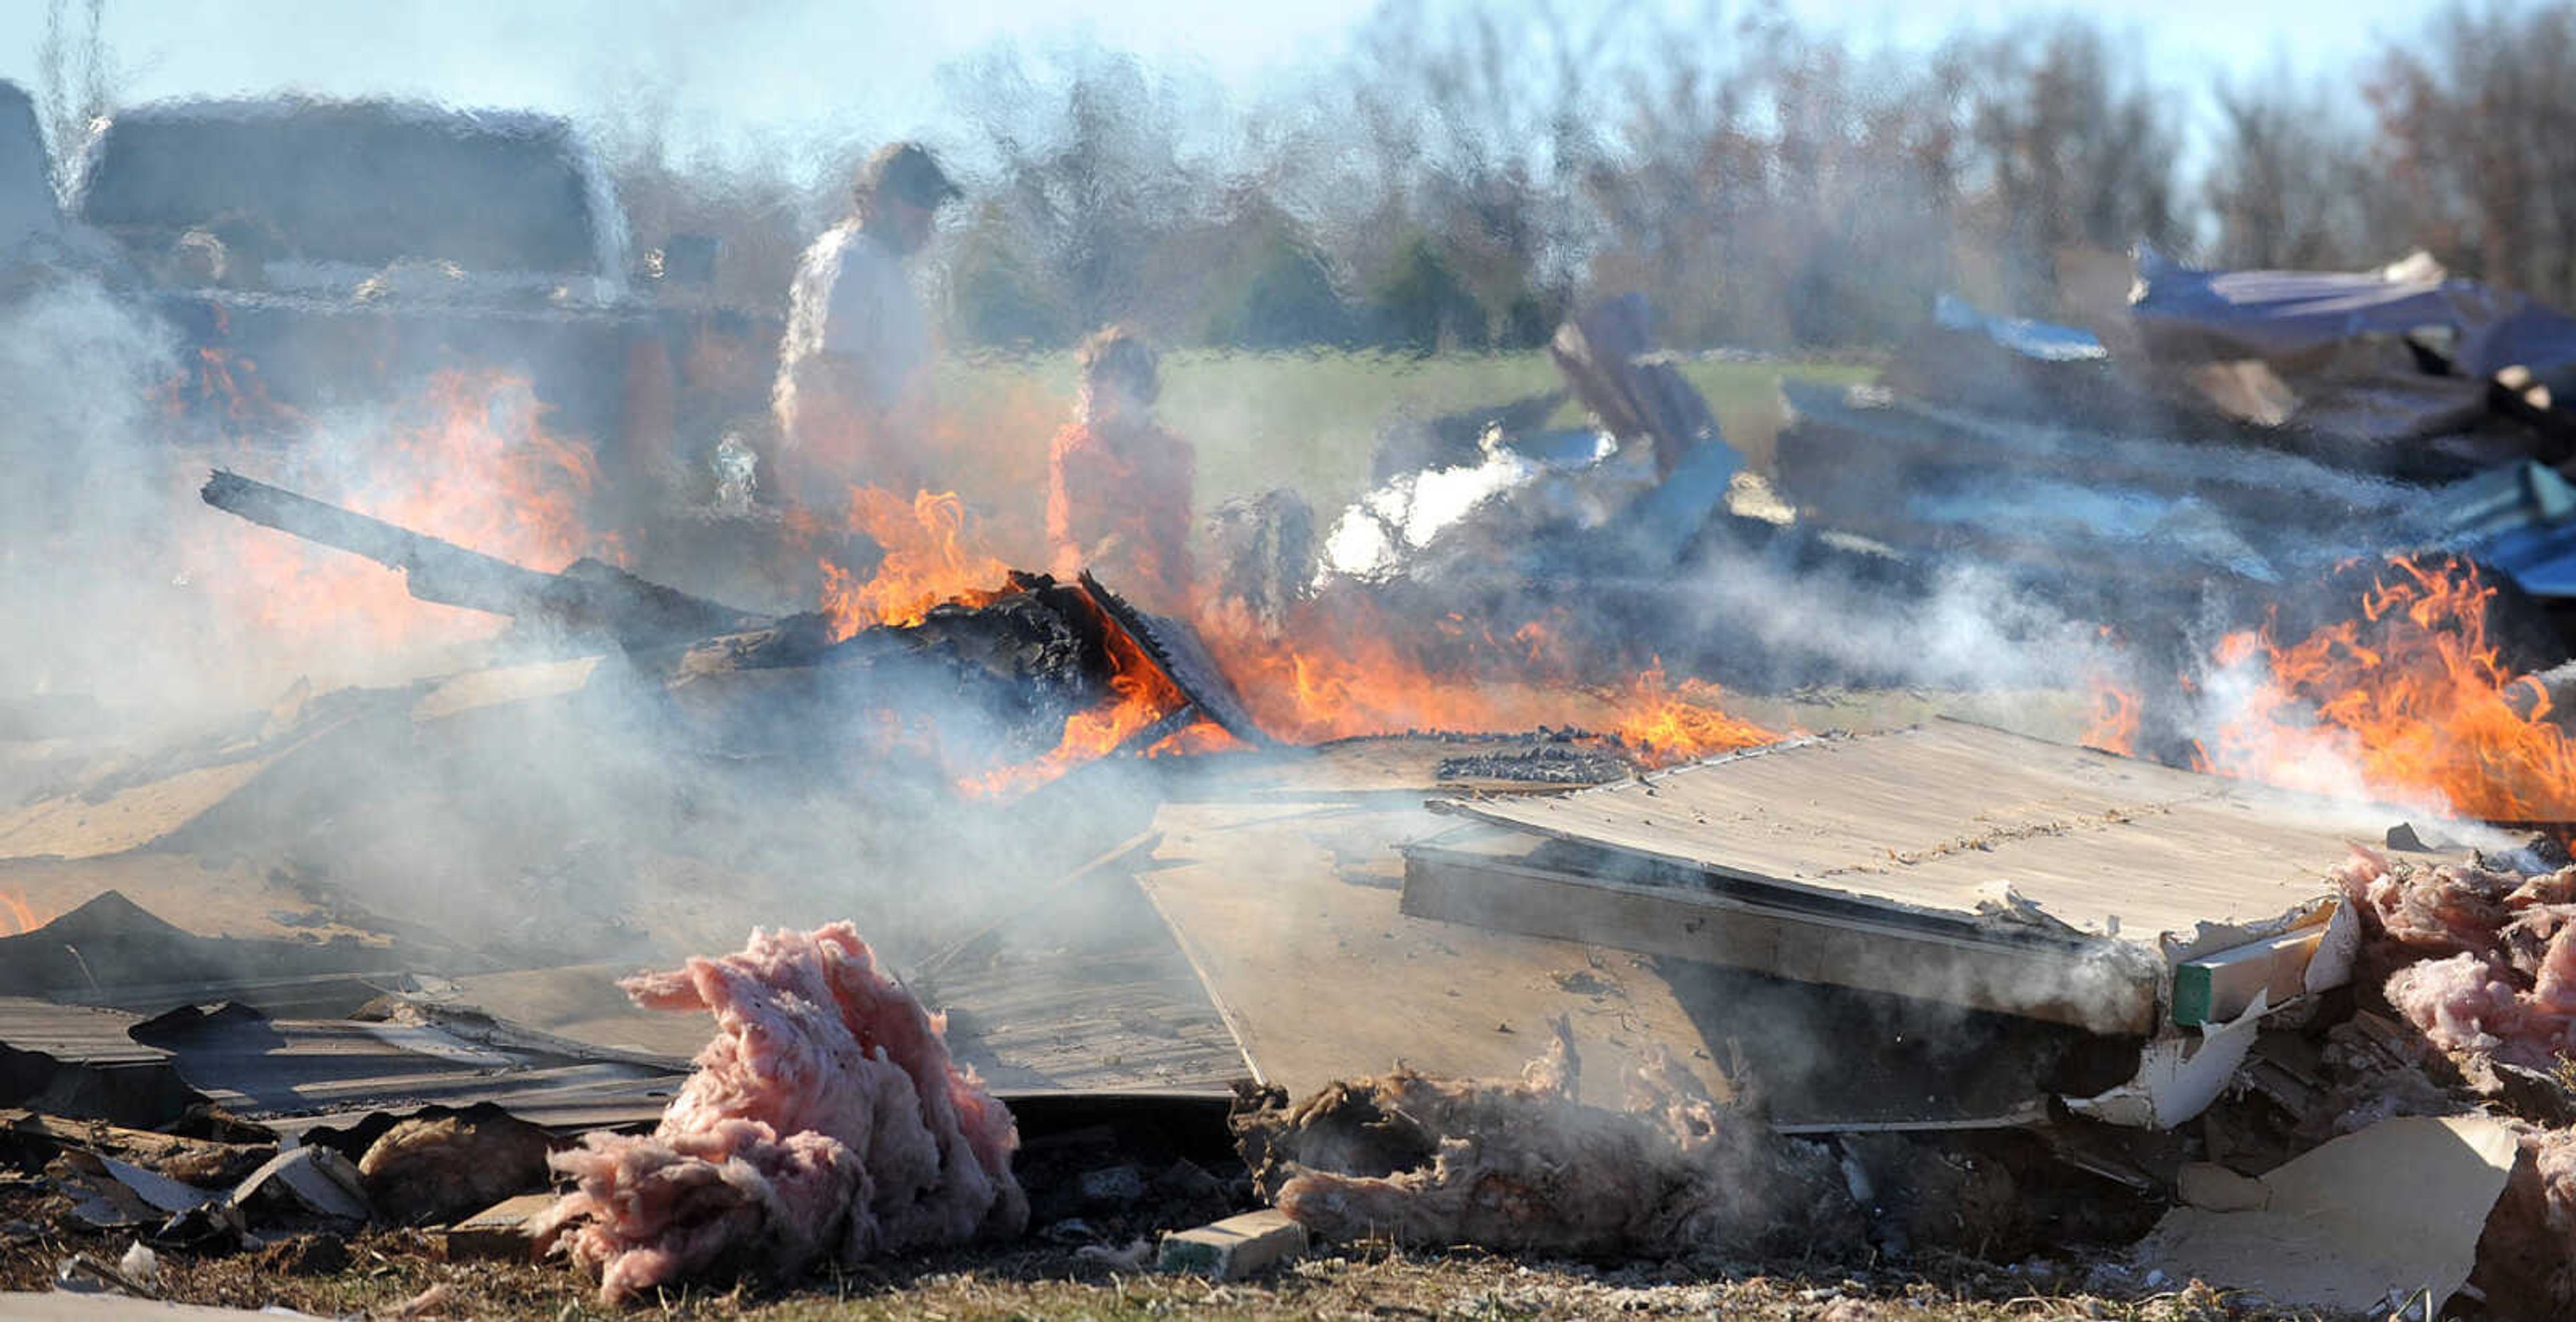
{"x":1146,"y":713}
{"x":2113,"y":726}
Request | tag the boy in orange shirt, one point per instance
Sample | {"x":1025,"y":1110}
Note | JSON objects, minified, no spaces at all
{"x":1119,"y":486}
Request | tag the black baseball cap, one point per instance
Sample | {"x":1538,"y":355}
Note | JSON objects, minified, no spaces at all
{"x":906,"y":172}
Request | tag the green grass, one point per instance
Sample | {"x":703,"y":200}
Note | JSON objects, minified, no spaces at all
{"x":1308,"y":421}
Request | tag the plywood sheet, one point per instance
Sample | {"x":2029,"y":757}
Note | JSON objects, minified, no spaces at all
{"x":1085,"y":991}
{"x":1289,"y":913}
{"x":581,"y":1002}
{"x":77,"y":826}
{"x":1930,"y":819}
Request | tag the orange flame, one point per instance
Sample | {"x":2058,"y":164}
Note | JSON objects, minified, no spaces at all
{"x":927,"y":562}
{"x":224,"y":389}
{"x":1145,"y":696}
{"x":1346,"y":671}
{"x":2114,"y":728}
{"x":2412,"y":694}
{"x":472,"y":461}
{"x":22,"y":916}
{"x":1668,"y":724}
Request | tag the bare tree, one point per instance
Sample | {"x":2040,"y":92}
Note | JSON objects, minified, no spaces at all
{"x":2475,"y":117}
{"x":1094,"y":171}
{"x":1481,"y":127}
{"x":1775,"y":189}
{"x":2291,"y":186}
{"x":2070,"y":144}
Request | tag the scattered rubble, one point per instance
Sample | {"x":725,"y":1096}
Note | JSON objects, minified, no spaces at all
{"x":1522,"y":1166}
{"x":2047,"y":977}
{"x":2324,"y":1230}
{"x":425,"y":1170}
{"x":1237,"y":1247}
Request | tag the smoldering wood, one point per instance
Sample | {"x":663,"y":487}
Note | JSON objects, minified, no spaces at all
{"x":1031,"y":657}
{"x":1176,"y":650}
{"x":587,"y":598}
{"x":1004,"y":674}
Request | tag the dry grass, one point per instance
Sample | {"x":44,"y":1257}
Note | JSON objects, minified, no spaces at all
{"x":388,"y":1270}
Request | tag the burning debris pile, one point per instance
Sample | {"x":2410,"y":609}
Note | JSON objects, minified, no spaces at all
{"x":2352,"y":482}
{"x":825,"y":1121}
{"x":1057,"y":673}
{"x":1464,"y":754}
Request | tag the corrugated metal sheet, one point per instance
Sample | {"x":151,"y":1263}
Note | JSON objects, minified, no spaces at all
{"x":295,"y":1074}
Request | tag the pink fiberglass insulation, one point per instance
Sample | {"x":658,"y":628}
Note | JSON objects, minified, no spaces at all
{"x":825,"y":1120}
{"x":2486,"y":959}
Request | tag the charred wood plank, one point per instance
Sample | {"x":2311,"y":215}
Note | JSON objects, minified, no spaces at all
{"x":587,"y":598}
{"x":1176,"y":650}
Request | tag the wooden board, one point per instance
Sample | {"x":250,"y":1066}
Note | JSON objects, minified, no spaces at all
{"x":1082,"y":990}
{"x":1289,"y":913}
{"x":1929,"y":820}
{"x":580,"y":1002}
{"x":76,"y":826}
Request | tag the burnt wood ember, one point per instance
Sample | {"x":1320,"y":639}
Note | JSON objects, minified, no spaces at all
{"x":586,"y":598}
{"x":1551,"y":763}
{"x":998,"y":678}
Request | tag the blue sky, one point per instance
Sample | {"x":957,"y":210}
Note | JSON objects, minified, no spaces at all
{"x":800,"y":77}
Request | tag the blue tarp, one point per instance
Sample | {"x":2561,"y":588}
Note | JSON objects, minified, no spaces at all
{"x":2214,"y":316}
{"x":2043,"y":341}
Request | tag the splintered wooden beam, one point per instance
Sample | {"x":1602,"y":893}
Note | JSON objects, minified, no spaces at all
{"x":435,"y":570}
{"x":587,"y":597}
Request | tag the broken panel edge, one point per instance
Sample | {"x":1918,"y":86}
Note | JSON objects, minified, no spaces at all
{"x":2102,"y":987}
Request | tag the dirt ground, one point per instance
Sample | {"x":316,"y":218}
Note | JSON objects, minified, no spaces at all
{"x":392,"y":1274}
{"x":385,"y":1271}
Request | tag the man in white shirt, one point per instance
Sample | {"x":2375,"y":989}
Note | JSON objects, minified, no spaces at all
{"x":853,"y":392}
